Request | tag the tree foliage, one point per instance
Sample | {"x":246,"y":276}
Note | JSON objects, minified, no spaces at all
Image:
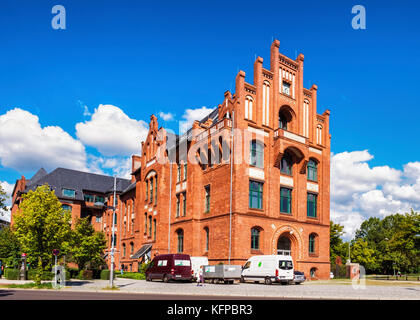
{"x":3,"y":198}
{"x":338,"y":248}
{"x":391,"y":242}
{"x":41,"y":225}
{"x":9,"y":247}
{"x":87,"y":245}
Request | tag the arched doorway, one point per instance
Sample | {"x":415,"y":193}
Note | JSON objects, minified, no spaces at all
{"x":284,"y":246}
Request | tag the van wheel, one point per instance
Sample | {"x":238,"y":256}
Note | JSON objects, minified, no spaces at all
{"x":165,"y":278}
{"x":267,"y":281}
{"x":242,"y":280}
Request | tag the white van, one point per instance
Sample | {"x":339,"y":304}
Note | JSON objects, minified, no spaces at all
{"x":196,"y":263}
{"x":268,"y":268}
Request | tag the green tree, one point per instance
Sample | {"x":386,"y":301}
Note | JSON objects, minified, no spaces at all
{"x":3,"y":198}
{"x":337,"y":246}
{"x":41,"y":225}
{"x":87,"y":245}
{"x":363,"y":254}
{"x":393,"y":241}
{"x":9,"y":247}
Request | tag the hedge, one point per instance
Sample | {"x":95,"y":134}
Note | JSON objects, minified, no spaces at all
{"x":12,"y":274}
{"x":105,"y":274}
{"x":85,"y":275}
{"x":131,"y":275}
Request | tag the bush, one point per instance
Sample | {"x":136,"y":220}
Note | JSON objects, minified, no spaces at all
{"x":96,"y":273}
{"x":85,"y":275}
{"x":73,"y":273}
{"x":12,"y":274}
{"x":142,"y":268}
{"x":105,"y":274}
{"x":131,"y":275}
{"x":46,"y":276}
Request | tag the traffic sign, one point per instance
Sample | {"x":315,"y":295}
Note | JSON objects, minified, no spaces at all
{"x":23,"y":255}
{"x":56,"y":252}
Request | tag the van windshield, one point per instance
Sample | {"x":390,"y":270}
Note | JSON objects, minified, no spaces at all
{"x":184,"y":263}
{"x":285,"y":265}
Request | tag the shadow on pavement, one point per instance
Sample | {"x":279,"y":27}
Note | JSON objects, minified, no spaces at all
{"x":4,"y":293}
{"x":70,"y":283}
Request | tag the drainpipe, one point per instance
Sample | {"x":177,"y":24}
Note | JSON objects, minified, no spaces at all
{"x":230,"y":196}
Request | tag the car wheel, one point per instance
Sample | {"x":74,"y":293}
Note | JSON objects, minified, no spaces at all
{"x":242,"y":280}
{"x":267,"y":281}
{"x":165,"y":278}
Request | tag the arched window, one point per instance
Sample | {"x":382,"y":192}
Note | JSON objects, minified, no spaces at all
{"x":313,"y":272}
{"x":312,"y":243}
{"x":312,"y":170}
{"x":286,"y":164}
{"x":124,"y":253}
{"x":154,"y":229}
{"x":319,"y":134}
{"x":131,"y":248}
{"x":150,"y":226}
{"x":266,"y":103}
{"x":257,"y":154}
{"x":180,"y":247}
{"x":255,"y":239}
{"x":207,"y":234}
{"x":248,"y":107}
{"x":151,"y":190}
{"x":285,"y":116}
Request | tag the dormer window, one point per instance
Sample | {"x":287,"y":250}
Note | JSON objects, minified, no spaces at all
{"x":69,"y":193}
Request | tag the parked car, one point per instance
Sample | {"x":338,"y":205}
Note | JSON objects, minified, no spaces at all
{"x":196,"y":263}
{"x":299,"y":277}
{"x":169,"y":267}
{"x":268,"y":268}
{"x":331,"y":275}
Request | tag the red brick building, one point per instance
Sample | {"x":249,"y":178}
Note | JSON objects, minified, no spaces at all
{"x":278,"y":201}
{"x":252,"y":177}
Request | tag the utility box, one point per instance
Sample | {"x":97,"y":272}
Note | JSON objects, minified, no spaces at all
{"x":353,"y":271}
{"x":222,"y":273}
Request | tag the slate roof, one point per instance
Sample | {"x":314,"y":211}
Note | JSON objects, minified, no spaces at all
{"x":79,"y":181}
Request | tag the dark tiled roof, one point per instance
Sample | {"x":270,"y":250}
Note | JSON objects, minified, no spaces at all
{"x":79,"y":181}
{"x":39,"y":175}
{"x":130,"y":187}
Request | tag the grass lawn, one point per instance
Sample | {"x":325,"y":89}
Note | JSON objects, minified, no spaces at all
{"x":368,"y":282}
{"x":31,"y":285}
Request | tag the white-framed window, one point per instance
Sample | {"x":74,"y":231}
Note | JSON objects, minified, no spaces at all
{"x":266,"y":103}
{"x":249,"y":102}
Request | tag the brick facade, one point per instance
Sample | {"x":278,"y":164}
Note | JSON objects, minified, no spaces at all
{"x":277,"y":118}
{"x":253,"y":111}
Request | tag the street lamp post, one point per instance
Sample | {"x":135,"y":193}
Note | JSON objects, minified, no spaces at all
{"x":100,"y":204}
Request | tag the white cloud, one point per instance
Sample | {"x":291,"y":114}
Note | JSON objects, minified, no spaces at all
{"x":192,"y":114}
{"x":166,"y":116}
{"x":112,"y":132}
{"x":26,"y":146}
{"x":359,"y":191}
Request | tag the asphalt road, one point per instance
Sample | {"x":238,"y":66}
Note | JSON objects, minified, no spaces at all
{"x":27,"y":294}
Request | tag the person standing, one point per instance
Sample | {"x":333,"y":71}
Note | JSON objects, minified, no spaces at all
{"x":200,"y":278}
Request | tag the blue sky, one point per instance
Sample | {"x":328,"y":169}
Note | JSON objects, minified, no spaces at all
{"x":168,"y":56}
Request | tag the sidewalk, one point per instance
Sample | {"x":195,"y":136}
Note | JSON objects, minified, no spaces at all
{"x":308,"y":290}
